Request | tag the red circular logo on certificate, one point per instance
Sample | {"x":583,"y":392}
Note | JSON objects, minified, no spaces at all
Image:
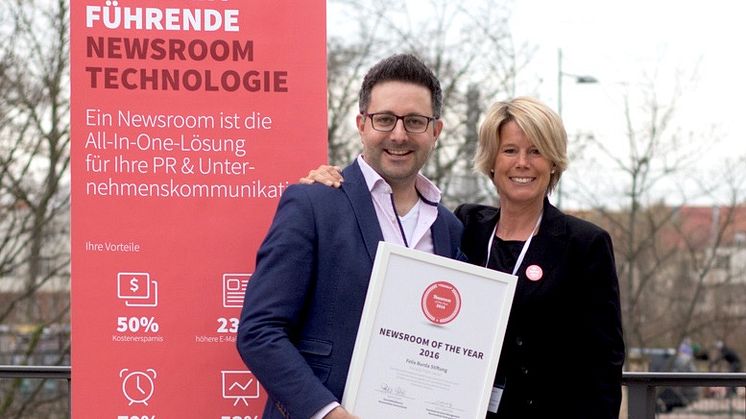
{"x":441,"y":302}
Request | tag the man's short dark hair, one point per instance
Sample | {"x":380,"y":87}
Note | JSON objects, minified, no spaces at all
{"x":404,"y":68}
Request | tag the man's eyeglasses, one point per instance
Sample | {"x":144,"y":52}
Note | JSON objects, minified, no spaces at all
{"x":385,"y":122}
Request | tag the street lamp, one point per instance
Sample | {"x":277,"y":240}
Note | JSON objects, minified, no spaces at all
{"x":580,"y":79}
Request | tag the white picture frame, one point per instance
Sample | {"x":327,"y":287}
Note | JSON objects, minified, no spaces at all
{"x":430,"y":337}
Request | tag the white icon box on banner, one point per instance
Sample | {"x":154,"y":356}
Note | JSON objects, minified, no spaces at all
{"x":240,"y":386}
{"x":138,"y":386}
{"x":137,"y":289}
{"x":234,"y":288}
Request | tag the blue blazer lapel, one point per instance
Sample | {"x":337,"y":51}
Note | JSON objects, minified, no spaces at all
{"x":357,"y":192}
{"x":441,"y":236}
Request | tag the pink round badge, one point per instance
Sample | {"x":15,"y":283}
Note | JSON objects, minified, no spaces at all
{"x":534,"y":272}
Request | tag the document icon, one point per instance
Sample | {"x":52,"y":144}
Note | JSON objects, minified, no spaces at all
{"x":234,"y":288}
{"x":137,"y":289}
{"x":240,"y":386}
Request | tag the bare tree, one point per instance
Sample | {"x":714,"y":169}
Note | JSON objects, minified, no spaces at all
{"x":34,"y":192}
{"x":470,"y":49}
{"x":712,"y":298}
{"x":665,"y":263}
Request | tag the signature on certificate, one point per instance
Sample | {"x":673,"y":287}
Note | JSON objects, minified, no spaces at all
{"x":394,"y":391}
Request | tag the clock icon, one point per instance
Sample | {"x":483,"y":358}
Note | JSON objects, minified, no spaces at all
{"x":138,"y":386}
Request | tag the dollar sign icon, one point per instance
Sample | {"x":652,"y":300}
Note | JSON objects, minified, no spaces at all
{"x":134,"y":285}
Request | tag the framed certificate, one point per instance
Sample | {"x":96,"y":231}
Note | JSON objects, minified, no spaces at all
{"x":429,"y":339}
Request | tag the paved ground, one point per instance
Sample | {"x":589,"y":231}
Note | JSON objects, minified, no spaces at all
{"x":708,"y":408}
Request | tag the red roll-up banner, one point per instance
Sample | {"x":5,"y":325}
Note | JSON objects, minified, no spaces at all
{"x":189,"y":119}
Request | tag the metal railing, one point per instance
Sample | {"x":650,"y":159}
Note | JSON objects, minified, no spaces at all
{"x":55,"y":372}
{"x":641,"y":386}
{"x":58,"y":372}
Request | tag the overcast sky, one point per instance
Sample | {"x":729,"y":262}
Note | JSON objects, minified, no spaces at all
{"x":618,"y":40}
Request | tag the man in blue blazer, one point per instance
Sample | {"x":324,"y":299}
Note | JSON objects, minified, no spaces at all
{"x":304,"y":301}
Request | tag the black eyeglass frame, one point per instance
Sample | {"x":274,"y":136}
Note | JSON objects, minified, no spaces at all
{"x":398,"y":117}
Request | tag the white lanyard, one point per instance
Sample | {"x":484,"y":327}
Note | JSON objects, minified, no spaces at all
{"x":523,"y":251}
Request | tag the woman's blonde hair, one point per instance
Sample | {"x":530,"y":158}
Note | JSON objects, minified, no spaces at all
{"x":542,"y":126}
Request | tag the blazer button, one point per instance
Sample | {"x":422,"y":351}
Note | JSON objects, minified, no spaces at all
{"x":530,"y":402}
{"x":519,"y":341}
{"x":524,"y":370}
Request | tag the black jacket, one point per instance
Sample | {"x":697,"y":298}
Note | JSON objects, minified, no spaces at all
{"x":563,"y":350}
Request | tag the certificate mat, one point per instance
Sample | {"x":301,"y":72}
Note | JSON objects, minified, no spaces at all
{"x":429,"y":338}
